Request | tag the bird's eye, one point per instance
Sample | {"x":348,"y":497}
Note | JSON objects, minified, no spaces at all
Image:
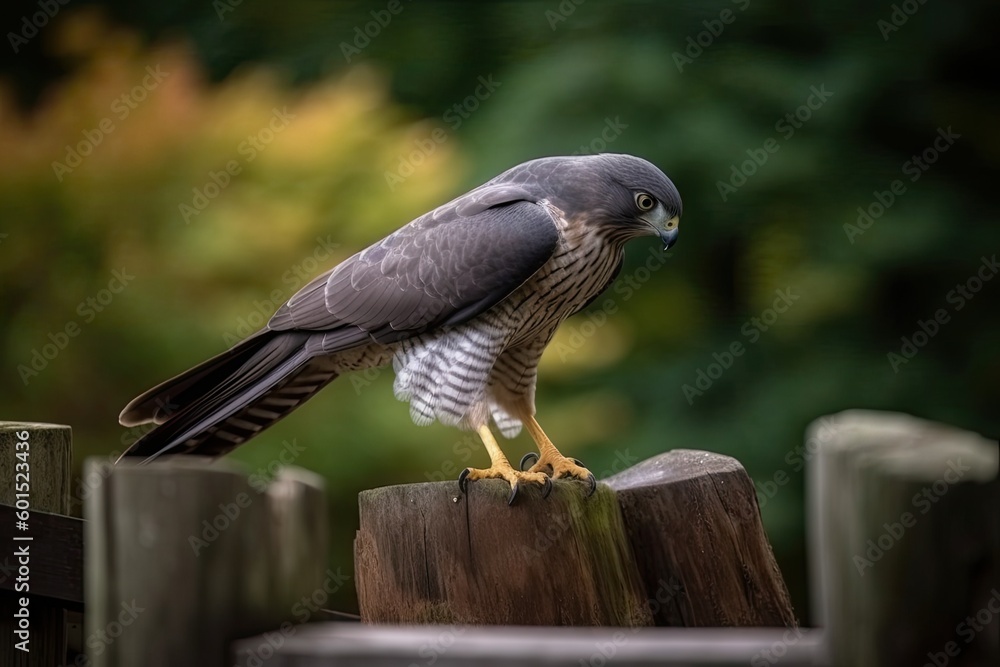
{"x":644,"y":202}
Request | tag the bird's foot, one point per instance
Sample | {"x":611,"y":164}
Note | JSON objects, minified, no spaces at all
{"x":514,"y":477}
{"x":551,"y":462}
{"x":559,"y":467}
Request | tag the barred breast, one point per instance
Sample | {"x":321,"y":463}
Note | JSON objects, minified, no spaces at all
{"x":463,"y":375}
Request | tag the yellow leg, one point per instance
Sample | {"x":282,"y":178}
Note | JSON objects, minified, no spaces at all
{"x":551,"y":461}
{"x":497,"y":457}
{"x":500,"y":468}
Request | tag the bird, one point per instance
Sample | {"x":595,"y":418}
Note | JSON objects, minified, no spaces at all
{"x":461,"y":301}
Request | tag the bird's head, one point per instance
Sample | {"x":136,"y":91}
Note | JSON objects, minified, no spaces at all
{"x":620,"y":196}
{"x":639,"y":199}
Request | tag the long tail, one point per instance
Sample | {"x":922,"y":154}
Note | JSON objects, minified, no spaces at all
{"x":223,"y":402}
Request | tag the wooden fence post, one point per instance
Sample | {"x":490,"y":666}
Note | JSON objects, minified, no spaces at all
{"x":46,"y":463}
{"x":904,"y":540}
{"x":183,"y":557}
{"x":50,"y":460}
{"x":690,"y":550}
{"x":426,"y":553}
{"x":694,"y":524}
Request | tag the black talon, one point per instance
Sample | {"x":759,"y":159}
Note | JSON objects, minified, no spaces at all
{"x":579,"y":463}
{"x":593,"y":484}
{"x":547,"y":487}
{"x":513,"y":494}
{"x":463,"y":481}
{"x":524,"y":458}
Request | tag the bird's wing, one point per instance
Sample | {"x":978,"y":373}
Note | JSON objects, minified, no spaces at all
{"x":441,"y":269}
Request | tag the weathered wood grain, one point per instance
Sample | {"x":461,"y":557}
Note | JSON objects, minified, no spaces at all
{"x":686,"y":523}
{"x":694,"y":526}
{"x":426,"y":553}
{"x":50,"y":459}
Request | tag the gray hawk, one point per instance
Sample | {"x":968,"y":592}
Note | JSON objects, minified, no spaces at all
{"x":462,"y":301}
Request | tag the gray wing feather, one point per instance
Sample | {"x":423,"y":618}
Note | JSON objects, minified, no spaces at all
{"x":443,"y":268}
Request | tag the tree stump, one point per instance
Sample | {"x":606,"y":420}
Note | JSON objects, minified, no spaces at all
{"x":676,"y":540}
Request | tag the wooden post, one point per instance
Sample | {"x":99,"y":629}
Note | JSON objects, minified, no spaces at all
{"x":184,"y":556}
{"x":904,"y":532}
{"x":50,"y":461}
{"x":427,"y":553}
{"x":694,"y":525}
{"x":690,"y":550}
{"x":45,"y":463}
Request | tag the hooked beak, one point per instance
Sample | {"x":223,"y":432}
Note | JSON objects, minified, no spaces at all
{"x":667,"y":231}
